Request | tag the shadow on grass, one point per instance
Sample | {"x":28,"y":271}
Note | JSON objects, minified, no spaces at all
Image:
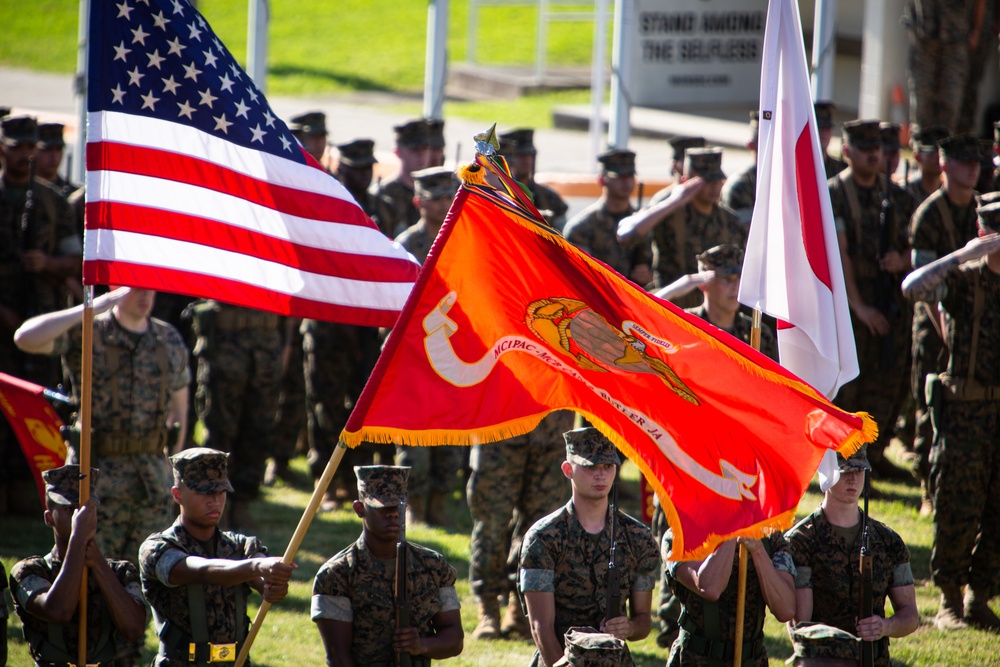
{"x":343,"y":79}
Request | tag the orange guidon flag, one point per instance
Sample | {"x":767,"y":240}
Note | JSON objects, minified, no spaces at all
{"x":508,"y":322}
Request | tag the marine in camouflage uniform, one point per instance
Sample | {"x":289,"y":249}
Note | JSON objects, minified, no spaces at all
{"x":239,"y":381}
{"x":938,"y":60}
{"x":48,"y":157}
{"x":874,"y":296}
{"x":353,"y":594}
{"x":679,"y":146}
{"x":824,"y":124}
{"x":432,"y":469}
{"x":34,"y":265}
{"x":827,"y":555}
{"x":512,"y":485}
{"x":708,"y":628}
{"x":43,"y":586}
{"x":140,"y":386}
{"x":394,"y":208}
{"x":699,"y":224}
{"x":740,"y":193}
{"x":927,"y":154}
{"x":595,"y":229}
{"x":310,"y":129}
{"x":518,"y":147}
{"x":965,"y":409}
{"x":943,"y":223}
{"x":183,"y":569}
{"x":563,"y":565}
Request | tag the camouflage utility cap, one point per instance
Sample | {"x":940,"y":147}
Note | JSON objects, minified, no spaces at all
{"x":50,"y":135}
{"x":890,"y":136}
{"x":927,"y":139}
{"x":824,"y":114}
{"x":358,"y":153}
{"x":381,"y":486}
{"x":617,"y":162}
{"x":313,"y":122}
{"x":435,"y":183}
{"x":704,"y":162}
{"x":518,"y":142}
{"x":683,"y":144}
{"x":589,"y":447}
{"x":202,"y":470}
{"x":435,"y":133}
{"x":818,"y":640}
{"x":987,"y":198}
{"x":856,"y":461}
{"x":19,"y":130}
{"x":989,"y":216}
{"x":725,"y":260}
{"x":413,"y":134}
{"x":62,"y":485}
{"x":864,"y":135}
{"x":961,"y":147}
{"x":587,"y":647}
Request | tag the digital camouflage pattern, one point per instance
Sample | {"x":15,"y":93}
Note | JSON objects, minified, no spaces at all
{"x":338,"y":360}
{"x":417,"y":240}
{"x":686,"y":234}
{"x":290,"y":417}
{"x":134,"y":488}
{"x":381,"y":486}
{"x":938,"y":60}
{"x":161,"y":552}
{"x":725,"y":260}
{"x":937,"y":228}
{"x":589,"y":447}
{"x":884,"y":364}
{"x":435,"y":182}
{"x":965,"y":465}
{"x":394,"y":209}
{"x":513,"y":484}
{"x":34,"y":575}
{"x":617,"y":162}
{"x":356,"y":587}
{"x":62,"y":485}
{"x":704,"y":162}
{"x":833,"y":165}
{"x":742,"y":327}
{"x":201,"y":469}
{"x":586,"y":647}
{"x":830,"y":566}
{"x":594,"y":230}
{"x":558,"y":556}
{"x":239,"y":380}
{"x":694,"y":606}
{"x":740,"y":194}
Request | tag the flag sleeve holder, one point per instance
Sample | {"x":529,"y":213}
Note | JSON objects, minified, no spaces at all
{"x":293,"y":545}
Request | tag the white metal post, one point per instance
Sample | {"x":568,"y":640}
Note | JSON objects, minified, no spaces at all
{"x":621,"y":70}
{"x":257,"y":20}
{"x":597,"y":79}
{"x":435,"y":66}
{"x":824,"y":49}
{"x":79,"y":167}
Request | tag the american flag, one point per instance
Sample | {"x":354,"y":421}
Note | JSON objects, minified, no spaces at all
{"x":195,"y":186}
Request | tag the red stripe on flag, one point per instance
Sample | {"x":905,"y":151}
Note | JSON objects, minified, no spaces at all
{"x":231,"y":291}
{"x":257,"y":246}
{"x":810,"y":215}
{"x":167,"y":165}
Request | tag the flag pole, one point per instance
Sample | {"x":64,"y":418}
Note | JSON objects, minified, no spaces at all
{"x":86,"y":376}
{"x":741,"y":591}
{"x":293,"y":546}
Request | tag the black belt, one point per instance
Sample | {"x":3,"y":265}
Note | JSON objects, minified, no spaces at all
{"x":203,"y":652}
{"x":415,"y":661}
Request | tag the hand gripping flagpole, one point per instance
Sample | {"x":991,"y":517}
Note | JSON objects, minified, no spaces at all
{"x":293,"y":546}
{"x":741,"y":590}
{"x":86,"y":377}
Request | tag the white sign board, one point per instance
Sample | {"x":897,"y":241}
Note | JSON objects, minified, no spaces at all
{"x":687,"y":52}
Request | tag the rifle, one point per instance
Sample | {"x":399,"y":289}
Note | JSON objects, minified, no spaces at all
{"x":614,"y":609}
{"x":885,"y":284}
{"x":402,"y":604}
{"x":865,"y":605}
{"x":638,"y":199}
{"x":29,"y":223}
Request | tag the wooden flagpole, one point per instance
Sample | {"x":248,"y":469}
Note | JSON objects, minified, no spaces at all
{"x":741,"y":595}
{"x":295,"y":543}
{"x":86,"y":378}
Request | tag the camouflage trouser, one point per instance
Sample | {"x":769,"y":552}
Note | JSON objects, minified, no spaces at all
{"x":336,"y":367}
{"x":290,"y":417}
{"x":937,"y":71}
{"x":879,"y":388}
{"x":965,"y":477}
{"x":431,"y":467}
{"x":928,"y":357}
{"x":238,"y":380}
{"x":513,"y":484}
{"x":135,"y":502}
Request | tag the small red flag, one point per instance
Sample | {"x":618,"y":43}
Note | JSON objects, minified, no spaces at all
{"x":36,"y":425}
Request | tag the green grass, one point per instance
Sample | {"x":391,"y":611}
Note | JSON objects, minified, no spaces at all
{"x":290,"y":638}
